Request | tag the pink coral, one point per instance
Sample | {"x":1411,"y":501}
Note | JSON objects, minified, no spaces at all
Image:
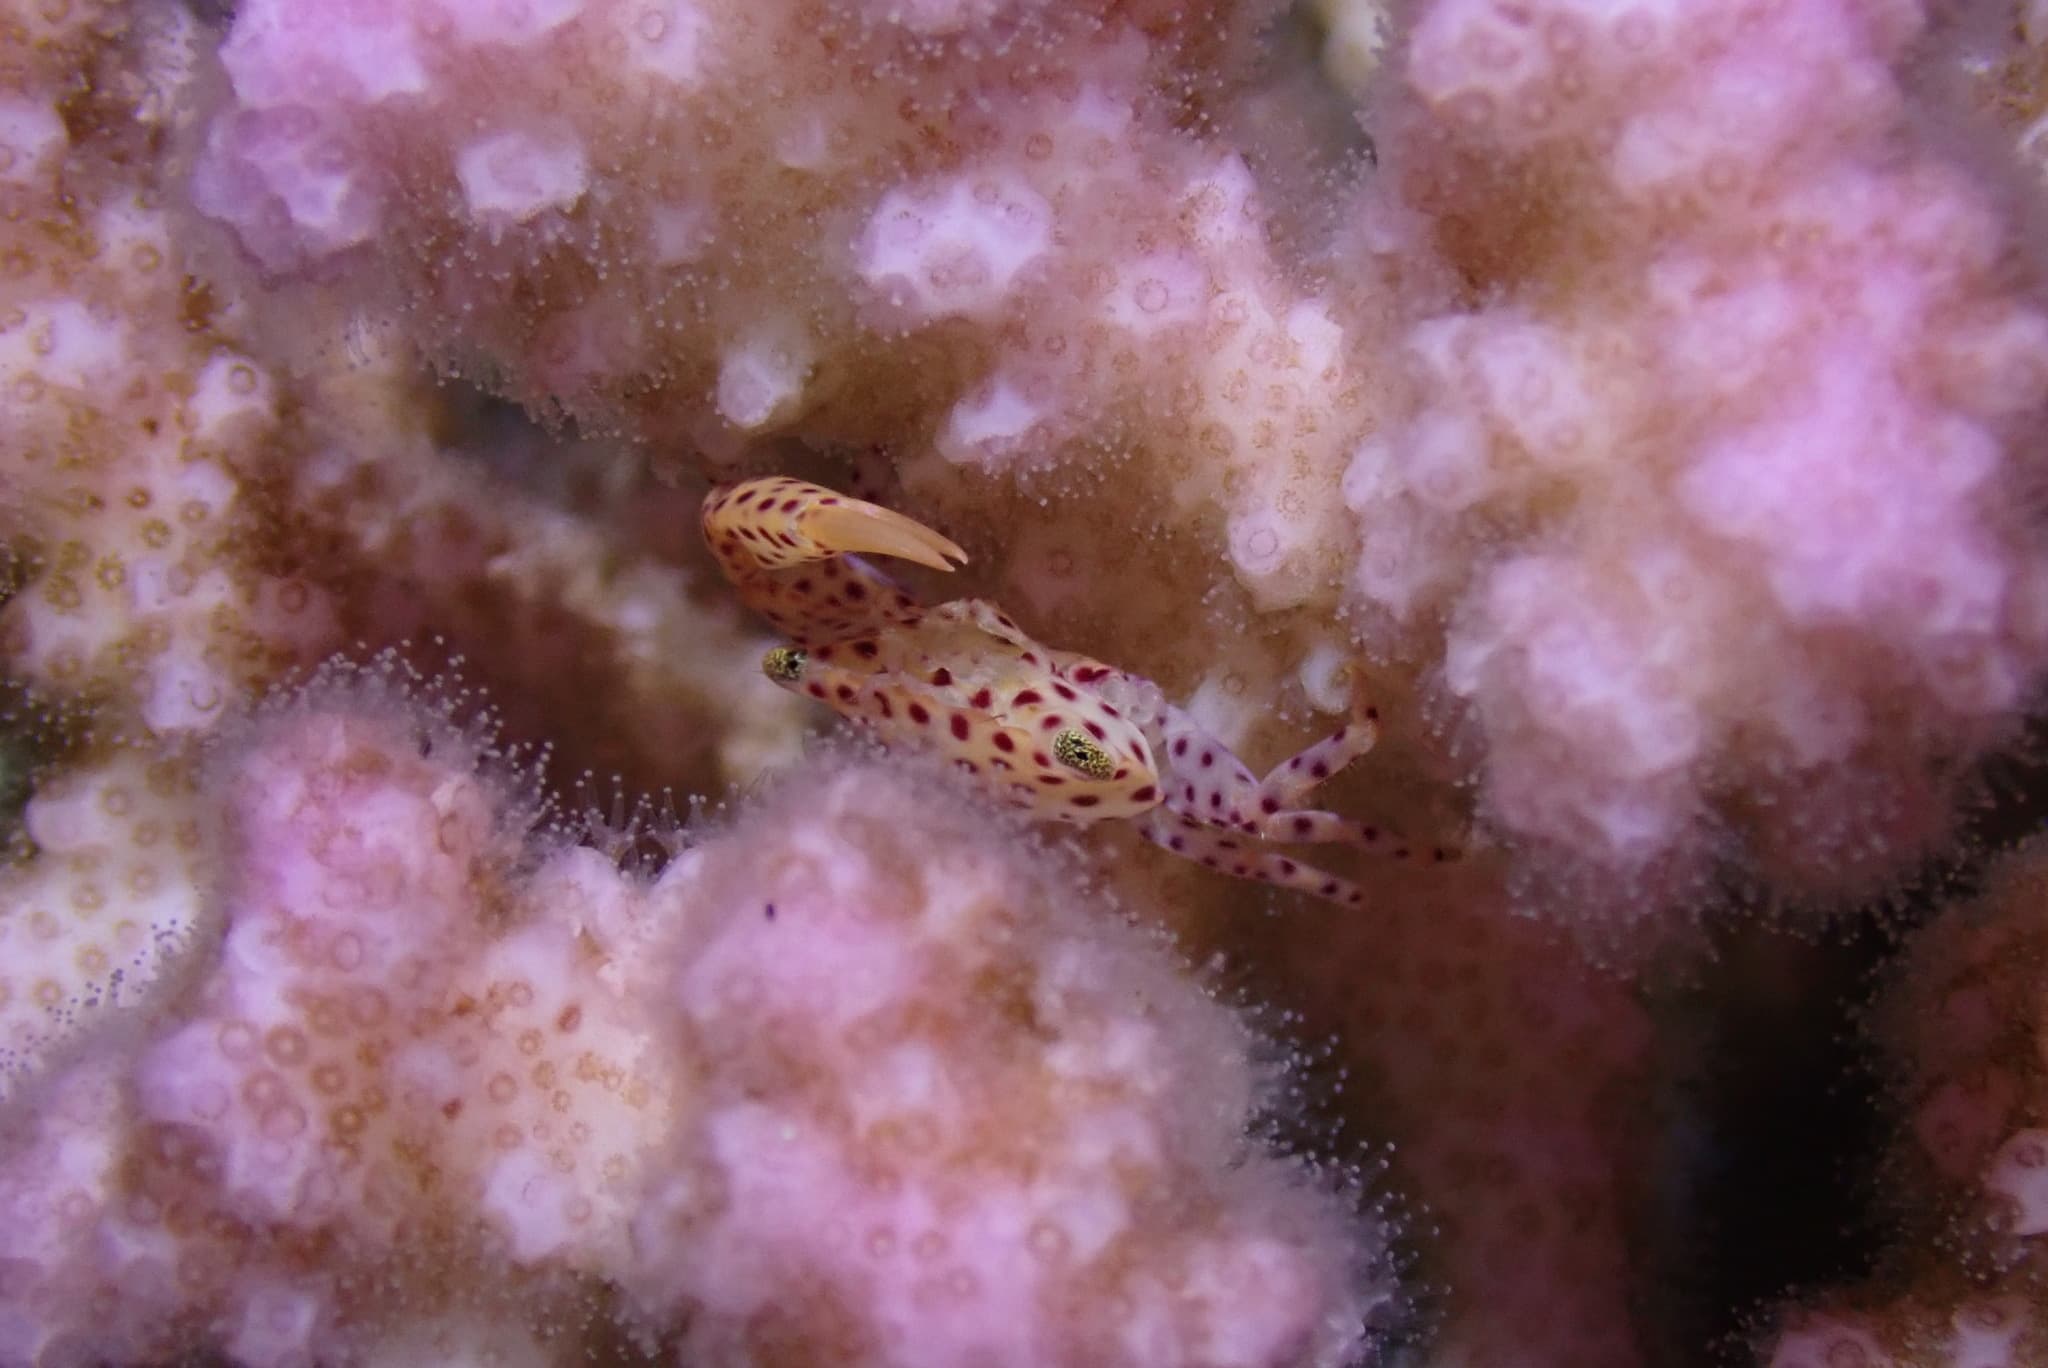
{"x":879,"y":234}
{"x":1749,"y":405}
{"x":970,"y":1113}
{"x":127,"y":419}
{"x":107,"y":917}
{"x":1647,"y":431}
{"x":971,"y":1120}
{"x":1513,"y":1083}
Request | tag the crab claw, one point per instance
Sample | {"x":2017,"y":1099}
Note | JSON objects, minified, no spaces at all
{"x":865,"y":528}
{"x":780,"y":522}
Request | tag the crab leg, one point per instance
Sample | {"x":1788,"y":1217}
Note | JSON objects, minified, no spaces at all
{"x":1219,"y":850}
{"x":791,"y":549}
{"x":1204,"y":781}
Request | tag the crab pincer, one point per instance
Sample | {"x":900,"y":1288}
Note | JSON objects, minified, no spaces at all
{"x":792,"y":549}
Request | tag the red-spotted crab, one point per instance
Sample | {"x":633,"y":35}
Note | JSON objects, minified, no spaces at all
{"x":1064,"y":736}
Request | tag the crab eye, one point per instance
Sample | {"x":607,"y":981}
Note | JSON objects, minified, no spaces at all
{"x":783,"y":664}
{"x":1073,"y":749}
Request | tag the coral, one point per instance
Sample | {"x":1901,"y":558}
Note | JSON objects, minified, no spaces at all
{"x":1513,"y":1084}
{"x":975,"y":278}
{"x":593,"y":613}
{"x":1636,"y":405}
{"x":126,"y":418}
{"x":1566,"y":510}
{"x":411,"y":1068}
{"x":1354,"y":39}
{"x":1028,"y":1134}
{"x":1716,"y":501}
{"x":1974,"y":1331}
{"x":1959,"y":1020}
{"x":99,"y":921}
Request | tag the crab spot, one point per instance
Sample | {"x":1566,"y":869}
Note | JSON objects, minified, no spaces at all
{"x":1095,"y":731}
{"x":1084,"y":800}
{"x":1269,"y":805}
{"x":882,"y":705}
{"x":920,"y":714}
{"x":845,"y":692}
{"x":1371,"y":833}
{"x":1320,"y":770}
{"x":1003,"y":742}
{"x":817,"y":690}
{"x":856,"y":591}
{"x":1145,"y":794}
{"x":942,"y":676}
{"x":1064,"y":692}
{"x":1208,"y":759}
{"x":1288,"y":867}
{"x":982,"y":699}
{"x":960,"y":726}
{"x":1041,"y":759}
{"x":1051,"y":723}
{"x":1372,"y":714}
{"x":1026,"y":697}
{"x":1180,"y":747}
{"x":1303,"y":826}
{"x":1176,"y":843}
{"x":1051,"y":780}
{"x":866,"y":650}
{"x":1215,"y":800}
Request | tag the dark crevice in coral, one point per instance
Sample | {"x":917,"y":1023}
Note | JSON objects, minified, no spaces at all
{"x":1777,"y":1124}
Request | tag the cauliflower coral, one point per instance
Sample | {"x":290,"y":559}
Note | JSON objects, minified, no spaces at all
{"x":1719,"y":499}
{"x":808,"y":1090}
{"x":1636,"y":403}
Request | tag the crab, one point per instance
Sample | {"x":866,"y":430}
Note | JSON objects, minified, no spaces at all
{"x":1066,"y":737}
